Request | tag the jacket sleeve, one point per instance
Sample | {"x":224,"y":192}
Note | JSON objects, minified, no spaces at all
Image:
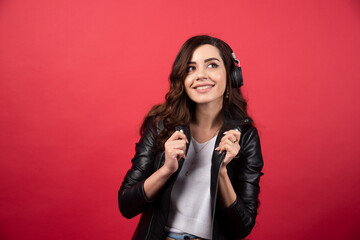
{"x":246,"y":172}
{"x":131,"y":196}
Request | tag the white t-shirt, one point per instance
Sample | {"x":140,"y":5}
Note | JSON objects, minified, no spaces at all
{"x":190,"y":208}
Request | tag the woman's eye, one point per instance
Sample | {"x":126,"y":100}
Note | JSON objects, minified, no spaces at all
{"x":190,"y":68}
{"x":213,"y":65}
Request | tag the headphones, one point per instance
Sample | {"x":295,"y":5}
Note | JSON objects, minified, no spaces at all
{"x":236,"y":74}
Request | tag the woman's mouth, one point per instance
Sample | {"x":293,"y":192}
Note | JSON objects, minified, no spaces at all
{"x":203,"y":88}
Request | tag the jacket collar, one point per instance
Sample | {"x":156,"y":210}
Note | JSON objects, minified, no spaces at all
{"x":229,"y":123}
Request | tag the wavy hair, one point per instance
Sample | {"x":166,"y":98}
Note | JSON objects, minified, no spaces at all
{"x":177,"y":108}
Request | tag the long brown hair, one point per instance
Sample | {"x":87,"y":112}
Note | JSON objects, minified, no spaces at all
{"x":177,"y":108}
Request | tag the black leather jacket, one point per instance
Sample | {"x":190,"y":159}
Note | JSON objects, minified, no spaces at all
{"x":234,"y":222}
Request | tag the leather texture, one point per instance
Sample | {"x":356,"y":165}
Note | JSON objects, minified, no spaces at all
{"x":234,"y":222}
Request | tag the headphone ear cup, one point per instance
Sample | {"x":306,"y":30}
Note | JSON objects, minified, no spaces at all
{"x":236,"y":77}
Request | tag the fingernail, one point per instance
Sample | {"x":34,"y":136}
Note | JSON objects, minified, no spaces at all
{"x":225,"y":132}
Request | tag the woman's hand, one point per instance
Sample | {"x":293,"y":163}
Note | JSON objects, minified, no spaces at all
{"x":230,"y":144}
{"x":175,"y":148}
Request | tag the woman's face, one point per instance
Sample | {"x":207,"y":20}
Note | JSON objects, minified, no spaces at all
{"x":206,"y":78}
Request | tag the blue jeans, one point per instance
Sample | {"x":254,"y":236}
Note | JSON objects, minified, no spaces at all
{"x":182,"y":236}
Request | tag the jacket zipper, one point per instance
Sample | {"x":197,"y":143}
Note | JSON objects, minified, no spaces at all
{"x":153,"y":212}
{"x":216,"y":190}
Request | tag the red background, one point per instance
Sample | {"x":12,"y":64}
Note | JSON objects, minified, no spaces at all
{"x":77,"y":78}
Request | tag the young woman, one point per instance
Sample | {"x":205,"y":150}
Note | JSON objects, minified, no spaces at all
{"x":196,"y":171}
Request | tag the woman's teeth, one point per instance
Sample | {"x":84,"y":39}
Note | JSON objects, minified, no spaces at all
{"x":204,"y":87}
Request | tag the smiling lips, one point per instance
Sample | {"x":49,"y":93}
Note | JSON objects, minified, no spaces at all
{"x":203,"y":88}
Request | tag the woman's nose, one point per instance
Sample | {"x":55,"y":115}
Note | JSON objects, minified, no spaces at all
{"x":201,"y":73}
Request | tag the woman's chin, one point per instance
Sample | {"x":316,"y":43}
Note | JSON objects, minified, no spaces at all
{"x":210,"y":101}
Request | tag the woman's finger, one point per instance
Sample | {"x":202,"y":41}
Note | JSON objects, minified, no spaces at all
{"x":233,"y":135}
{"x":227,"y":145}
{"x":178,"y":154}
{"x":177,"y":144}
{"x":178,"y":135}
{"x":229,"y":136}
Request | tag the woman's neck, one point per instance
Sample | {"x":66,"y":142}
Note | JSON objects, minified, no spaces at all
{"x":206,"y":122}
{"x":208,"y":116}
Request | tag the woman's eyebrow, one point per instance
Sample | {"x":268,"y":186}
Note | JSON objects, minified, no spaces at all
{"x":206,"y":60}
{"x":210,"y":59}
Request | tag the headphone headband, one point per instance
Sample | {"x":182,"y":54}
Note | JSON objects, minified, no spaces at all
{"x":234,"y":57}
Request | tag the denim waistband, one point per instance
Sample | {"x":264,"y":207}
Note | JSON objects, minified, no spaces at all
{"x":182,"y":236}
